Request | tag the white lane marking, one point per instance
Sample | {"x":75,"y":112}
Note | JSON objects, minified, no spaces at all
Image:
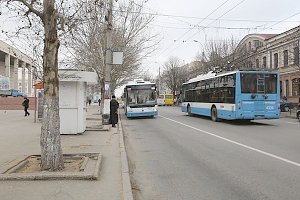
{"x":292,"y":123}
{"x":237,"y":143}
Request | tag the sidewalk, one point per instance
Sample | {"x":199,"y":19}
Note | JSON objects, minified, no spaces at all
{"x":19,"y":136}
{"x":290,"y":114}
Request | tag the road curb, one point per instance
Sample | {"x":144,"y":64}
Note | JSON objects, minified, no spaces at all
{"x":126,"y":184}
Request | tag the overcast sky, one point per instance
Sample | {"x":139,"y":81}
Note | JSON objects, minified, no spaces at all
{"x":214,"y":20}
{"x":202,"y":20}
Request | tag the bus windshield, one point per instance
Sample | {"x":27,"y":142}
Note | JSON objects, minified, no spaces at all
{"x":141,"y":98}
{"x":258,"y":83}
{"x":169,"y":96}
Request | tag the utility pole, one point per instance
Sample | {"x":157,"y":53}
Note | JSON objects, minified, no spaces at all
{"x":159,"y":81}
{"x":108,"y":63}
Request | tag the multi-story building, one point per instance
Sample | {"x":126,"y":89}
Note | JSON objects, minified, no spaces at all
{"x":11,"y":60}
{"x":273,"y":52}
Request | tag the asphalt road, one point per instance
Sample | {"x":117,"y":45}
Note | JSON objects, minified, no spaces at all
{"x":175,"y":156}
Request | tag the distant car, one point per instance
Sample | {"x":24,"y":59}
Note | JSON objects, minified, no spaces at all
{"x":11,"y":92}
{"x":285,"y":106}
{"x":121,"y":103}
{"x":160,"y":100}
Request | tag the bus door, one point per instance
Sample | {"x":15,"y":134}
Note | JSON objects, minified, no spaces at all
{"x":259,"y":104}
{"x":252,"y":92}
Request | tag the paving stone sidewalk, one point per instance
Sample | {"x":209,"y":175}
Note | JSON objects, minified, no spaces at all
{"x":19,"y":136}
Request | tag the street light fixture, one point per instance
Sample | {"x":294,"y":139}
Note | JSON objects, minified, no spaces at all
{"x":200,"y":44}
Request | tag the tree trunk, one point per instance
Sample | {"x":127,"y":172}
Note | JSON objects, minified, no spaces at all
{"x":51,"y":152}
{"x":102,"y":95}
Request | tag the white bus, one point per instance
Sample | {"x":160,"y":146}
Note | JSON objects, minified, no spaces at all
{"x":140,"y":99}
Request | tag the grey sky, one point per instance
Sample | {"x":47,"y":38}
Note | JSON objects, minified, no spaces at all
{"x":178,"y":33}
{"x":235,"y":17}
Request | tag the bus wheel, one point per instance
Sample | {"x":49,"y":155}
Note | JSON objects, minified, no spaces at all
{"x":214,"y":114}
{"x":189,"y":110}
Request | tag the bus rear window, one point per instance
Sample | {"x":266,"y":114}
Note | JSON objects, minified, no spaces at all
{"x":248,"y":83}
{"x":271,"y":83}
{"x":258,"y":83}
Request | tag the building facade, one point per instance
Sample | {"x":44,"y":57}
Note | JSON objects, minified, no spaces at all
{"x":11,"y":60}
{"x":273,"y":52}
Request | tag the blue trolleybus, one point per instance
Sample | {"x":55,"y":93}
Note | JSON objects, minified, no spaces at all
{"x":140,"y":99}
{"x":245,"y":95}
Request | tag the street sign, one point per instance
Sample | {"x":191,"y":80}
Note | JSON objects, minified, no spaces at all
{"x":117,"y":58}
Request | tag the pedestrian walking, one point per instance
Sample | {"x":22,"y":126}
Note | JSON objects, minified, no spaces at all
{"x":26,"y":106}
{"x":99,"y":101}
{"x":114,"y":105}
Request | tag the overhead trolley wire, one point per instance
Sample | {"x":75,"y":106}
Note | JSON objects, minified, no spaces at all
{"x":283,"y":20}
{"x":209,"y":24}
{"x":193,"y":17}
{"x":197,"y":24}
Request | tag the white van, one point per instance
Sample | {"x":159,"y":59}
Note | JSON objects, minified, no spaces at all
{"x":160,"y":100}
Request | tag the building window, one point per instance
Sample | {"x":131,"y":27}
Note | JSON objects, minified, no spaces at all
{"x":264,"y":62}
{"x":256,"y":44}
{"x":287,"y":91}
{"x":250,"y":64}
{"x":285,"y":58}
{"x":257,"y":63}
{"x":275,"y":60}
{"x":295,"y":87}
{"x":296,"y":55}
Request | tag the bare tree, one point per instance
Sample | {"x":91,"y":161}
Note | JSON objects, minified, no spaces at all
{"x":45,"y":19}
{"x":174,"y":74}
{"x":86,"y":42}
{"x":135,"y":38}
{"x":199,"y":65}
{"x":146,"y":76}
{"x":51,"y":152}
{"x":131,"y":35}
{"x":216,"y":54}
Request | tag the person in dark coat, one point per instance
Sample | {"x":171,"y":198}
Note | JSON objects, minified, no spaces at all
{"x":26,"y":106}
{"x":114,"y":105}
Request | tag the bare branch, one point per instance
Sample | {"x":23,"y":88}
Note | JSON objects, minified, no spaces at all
{"x":30,"y":7}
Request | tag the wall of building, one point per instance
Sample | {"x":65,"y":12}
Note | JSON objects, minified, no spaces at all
{"x":15,"y":103}
{"x":272,"y":45}
{"x":17,"y":59}
{"x":2,"y":68}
